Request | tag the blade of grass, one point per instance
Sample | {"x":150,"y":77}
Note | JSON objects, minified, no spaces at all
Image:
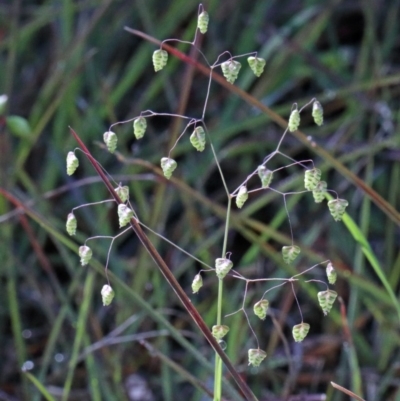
{"x":369,"y":254}
{"x":40,"y":387}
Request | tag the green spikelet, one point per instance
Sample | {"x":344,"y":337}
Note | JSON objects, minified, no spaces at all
{"x":202,"y":22}
{"x":257,"y":65}
{"x":86,"y":254}
{"x":326,"y":300}
{"x":122,"y":192}
{"x":124,"y":215}
{"x":139,"y":127}
{"x":160,"y":58}
{"x":312,"y":178}
{"x":260,"y":308}
{"x":107,"y":294}
{"x":71,"y":224}
{"x":198,"y":139}
{"x":220,"y":331}
{"x":242,"y":196}
{"x":319,"y":192}
{"x":331,"y":273}
{"x":256,"y":356}
{"x":168,"y":166}
{"x":230,"y":70}
{"x":317,"y":113}
{"x":222,"y":267}
{"x":300,"y":331}
{"x":72,"y":163}
{"x":337,"y":208}
{"x":110,"y":139}
{"x":294,"y":120}
{"x":265,"y":176}
{"x":197,"y":283}
{"x":290,"y":253}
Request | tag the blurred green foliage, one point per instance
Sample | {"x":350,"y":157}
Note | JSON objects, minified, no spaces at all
{"x":70,"y":63}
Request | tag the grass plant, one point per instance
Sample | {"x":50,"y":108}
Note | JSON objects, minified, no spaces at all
{"x":73,"y":64}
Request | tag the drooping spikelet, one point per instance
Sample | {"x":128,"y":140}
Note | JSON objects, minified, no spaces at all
{"x":337,"y":207}
{"x":331,"y":273}
{"x":257,"y":65}
{"x":107,"y":294}
{"x":198,"y":139}
{"x":71,"y":224}
{"x":290,"y":253}
{"x":242,"y":196}
{"x":72,"y":163}
{"x":124,"y":215}
{"x":230,"y":70}
{"x":260,"y":308}
{"x":197,"y":283}
{"x":139,"y":127}
{"x":202,"y":22}
{"x":86,"y":254}
{"x":326,"y":300}
{"x":256,"y":356}
{"x":317,"y":113}
{"x":265,"y":176}
{"x":312,"y":178}
{"x":300,"y":331}
{"x":319,"y":192}
{"x":294,"y":120}
{"x":110,"y":139}
{"x":168,"y":166}
{"x":160,"y":58}
{"x":222,"y":267}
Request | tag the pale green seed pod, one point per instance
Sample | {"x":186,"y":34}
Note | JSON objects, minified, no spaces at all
{"x":110,"y":139}
{"x":139,"y":127}
{"x":71,"y":224}
{"x":198,"y":139}
{"x":300,"y":331}
{"x":230,"y":70}
{"x":222,"y":267}
{"x":122,"y":192}
{"x":256,"y":356}
{"x":326,"y":300}
{"x":72,"y":163}
{"x":202,"y":22}
{"x":290,"y":253}
{"x":107,"y":294}
{"x":124,"y":214}
{"x":312,"y":178}
{"x":331,"y":273}
{"x":319,"y":192}
{"x":168,"y":166}
{"x":260,"y":308}
{"x":242,"y":196}
{"x":197,"y":283}
{"x":317,"y":113}
{"x":337,"y":208}
{"x":257,"y":65}
{"x":265,"y":176}
{"x":160,"y":58}
{"x":294,"y":120}
{"x":220,"y":331}
{"x":86,"y":254}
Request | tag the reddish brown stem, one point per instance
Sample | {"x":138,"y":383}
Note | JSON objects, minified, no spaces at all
{"x":385,"y":206}
{"x":166,"y":272}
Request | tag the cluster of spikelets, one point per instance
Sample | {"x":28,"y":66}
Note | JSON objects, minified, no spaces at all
{"x":326,"y":300}
{"x":85,"y":253}
{"x":312,"y":181}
